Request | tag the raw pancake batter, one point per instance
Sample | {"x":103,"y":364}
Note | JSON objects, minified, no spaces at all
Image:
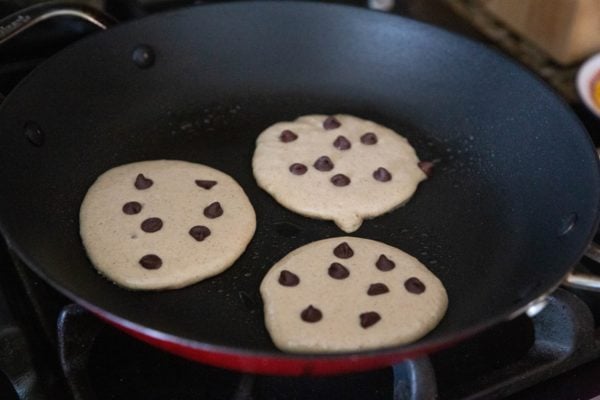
{"x":340,"y":168}
{"x":349,"y":294}
{"x":164,"y":224}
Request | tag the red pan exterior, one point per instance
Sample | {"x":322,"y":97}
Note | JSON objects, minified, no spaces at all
{"x":269,"y":365}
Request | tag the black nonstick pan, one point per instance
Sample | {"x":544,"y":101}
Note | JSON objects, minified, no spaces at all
{"x":511,"y":208}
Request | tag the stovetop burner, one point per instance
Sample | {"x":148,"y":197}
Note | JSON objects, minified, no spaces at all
{"x":53,"y":349}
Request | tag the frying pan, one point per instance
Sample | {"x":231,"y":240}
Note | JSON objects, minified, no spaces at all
{"x":510,"y":210}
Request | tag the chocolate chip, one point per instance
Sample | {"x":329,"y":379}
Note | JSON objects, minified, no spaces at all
{"x":369,"y":319}
{"x":141,"y":182}
{"x":287,"y":136}
{"x":132,"y":207}
{"x":331,"y":123}
{"x":205,"y":184}
{"x":382,"y":175}
{"x":323,"y":163}
{"x":151,"y":261}
{"x":311,"y":314}
{"x":427,"y":167}
{"x":385,"y":264}
{"x":368,"y":138}
{"x":214,"y":210}
{"x":199,"y":232}
{"x":414,"y":285}
{"x":377,"y":289}
{"x":343,"y":250}
{"x":340,"y":180}
{"x":287,"y":278}
{"x":152,"y":225}
{"x":338,"y":271}
{"x":298,"y":169}
{"x":341,"y":143}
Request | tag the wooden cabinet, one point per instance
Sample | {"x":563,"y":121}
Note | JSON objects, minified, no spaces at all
{"x":567,"y":30}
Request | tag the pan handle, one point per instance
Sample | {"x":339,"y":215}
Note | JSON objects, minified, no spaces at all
{"x":581,"y":280}
{"x":20,"y":21}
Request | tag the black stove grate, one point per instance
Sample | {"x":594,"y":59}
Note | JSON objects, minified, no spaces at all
{"x":86,"y":359}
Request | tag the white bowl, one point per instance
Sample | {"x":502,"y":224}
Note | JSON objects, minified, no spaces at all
{"x":589,"y":70}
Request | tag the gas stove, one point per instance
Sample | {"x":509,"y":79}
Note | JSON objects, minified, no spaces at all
{"x":51,"y":348}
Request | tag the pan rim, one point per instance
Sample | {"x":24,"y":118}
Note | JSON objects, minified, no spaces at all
{"x":420,"y":346}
